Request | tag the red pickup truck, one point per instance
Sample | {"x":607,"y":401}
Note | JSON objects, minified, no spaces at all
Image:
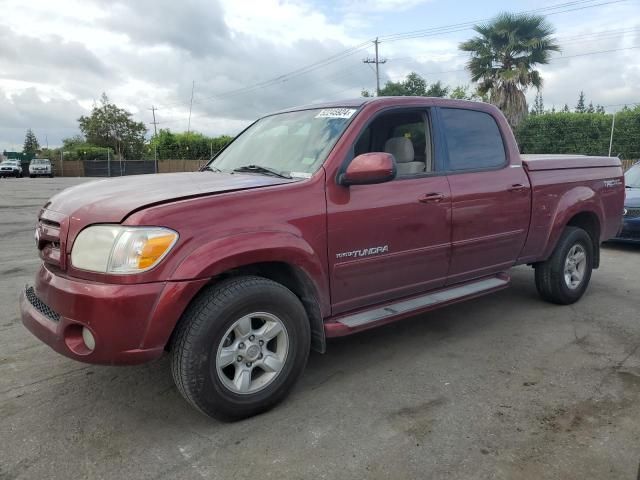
{"x":315,"y":222}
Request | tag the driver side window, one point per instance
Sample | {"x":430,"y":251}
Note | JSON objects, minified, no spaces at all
{"x":406,"y":135}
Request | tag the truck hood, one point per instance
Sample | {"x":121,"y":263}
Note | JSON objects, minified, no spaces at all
{"x":632,"y":198}
{"x":112,"y":200}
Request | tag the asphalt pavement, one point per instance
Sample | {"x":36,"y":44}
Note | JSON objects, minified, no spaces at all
{"x":501,"y":387}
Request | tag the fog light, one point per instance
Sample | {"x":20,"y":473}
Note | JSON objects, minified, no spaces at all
{"x":87,"y":336}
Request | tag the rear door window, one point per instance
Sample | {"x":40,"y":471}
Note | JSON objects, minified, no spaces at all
{"x":473,"y":140}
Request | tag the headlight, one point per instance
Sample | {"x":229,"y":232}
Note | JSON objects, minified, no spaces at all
{"x":120,"y":249}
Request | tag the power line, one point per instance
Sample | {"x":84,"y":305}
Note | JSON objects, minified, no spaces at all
{"x":555,"y":9}
{"x":555,"y":59}
{"x":581,"y":4}
{"x":434,"y":31}
{"x":581,"y":38}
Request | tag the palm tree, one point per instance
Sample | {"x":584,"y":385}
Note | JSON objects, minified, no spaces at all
{"x":503,"y":57}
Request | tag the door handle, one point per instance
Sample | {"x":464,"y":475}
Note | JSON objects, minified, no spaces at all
{"x":517,"y":187}
{"x":431,"y":198}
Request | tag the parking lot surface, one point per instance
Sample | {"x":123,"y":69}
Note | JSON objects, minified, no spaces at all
{"x":502,"y":387}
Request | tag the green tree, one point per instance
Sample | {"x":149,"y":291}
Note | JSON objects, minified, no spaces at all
{"x":189,"y":146}
{"x":580,"y":108}
{"x":591,"y":108}
{"x":412,"y":86}
{"x":461,"y":92}
{"x":504,"y":56}
{"x":565,"y":109}
{"x":72,"y":142}
{"x":437,"y":90}
{"x":111,"y":127}
{"x":600,"y":109}
{"x":538,"y":105}
{"x":31,"y":145}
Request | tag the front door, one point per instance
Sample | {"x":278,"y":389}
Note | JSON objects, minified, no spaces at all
{"x":390,"y":240}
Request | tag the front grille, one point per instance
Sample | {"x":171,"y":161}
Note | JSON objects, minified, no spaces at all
{"x":39,"y":305}
{"x":48,"y":242}
{"x":632,"y":213}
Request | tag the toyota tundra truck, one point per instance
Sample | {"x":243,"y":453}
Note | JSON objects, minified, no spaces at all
{"x":315,"y":222}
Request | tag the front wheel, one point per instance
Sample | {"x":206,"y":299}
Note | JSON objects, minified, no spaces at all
{"x":240,"y":347}
{"x":564,"y":277}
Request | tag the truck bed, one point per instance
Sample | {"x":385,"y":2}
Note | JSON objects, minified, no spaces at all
{"x":563,"y":186}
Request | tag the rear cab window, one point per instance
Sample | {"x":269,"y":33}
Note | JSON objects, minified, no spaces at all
{"x":473,"y":140}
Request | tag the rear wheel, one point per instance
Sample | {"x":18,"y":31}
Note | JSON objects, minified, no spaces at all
{"x":565,"y":276}
{"x":240,"y":347}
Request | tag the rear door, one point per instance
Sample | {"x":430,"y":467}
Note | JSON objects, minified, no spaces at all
{"x":390,"y":240}
{"x":490,"y":196}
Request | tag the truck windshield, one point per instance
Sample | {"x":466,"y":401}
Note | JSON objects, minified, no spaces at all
{"x":632,"y":177}
{"x":293,"y":144}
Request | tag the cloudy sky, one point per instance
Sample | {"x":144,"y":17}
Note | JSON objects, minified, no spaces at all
{"x":250,"y":57}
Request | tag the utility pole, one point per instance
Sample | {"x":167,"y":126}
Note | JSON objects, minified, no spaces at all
{"x":377,"y":61}
{"x":193,"y":86}
{"x":154,"y":123}
{"x":155,"y":134}
{"x":613,"y":124}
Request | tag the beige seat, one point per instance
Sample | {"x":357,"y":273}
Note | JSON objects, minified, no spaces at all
{"x":402,"y":150}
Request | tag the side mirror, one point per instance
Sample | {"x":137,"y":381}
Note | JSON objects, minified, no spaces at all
{"x":369,"y":168}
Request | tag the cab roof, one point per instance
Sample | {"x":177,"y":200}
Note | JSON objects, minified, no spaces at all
{"x":362,"y":101}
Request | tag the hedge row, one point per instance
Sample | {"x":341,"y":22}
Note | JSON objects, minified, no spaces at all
{"x":581,"y":133}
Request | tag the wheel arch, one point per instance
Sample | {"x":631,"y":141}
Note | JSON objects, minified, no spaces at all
{"x":589,"y":222}
{"x":296,"y":280}
{"x":280,"y":256}
{"x":579,"y":207}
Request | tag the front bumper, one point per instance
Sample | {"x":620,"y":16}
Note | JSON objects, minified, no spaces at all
{"x":9,"y":173}
{"x":130,"y":323}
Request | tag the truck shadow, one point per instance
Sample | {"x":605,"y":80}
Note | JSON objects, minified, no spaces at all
{"x":147,"y":393}
{"x":622,"y":246}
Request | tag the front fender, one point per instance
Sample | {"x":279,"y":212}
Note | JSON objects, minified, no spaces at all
{"x":577,"y":200}
{"x":234,"y":251}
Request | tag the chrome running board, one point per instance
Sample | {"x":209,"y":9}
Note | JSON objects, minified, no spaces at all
{"x":359,"y":321}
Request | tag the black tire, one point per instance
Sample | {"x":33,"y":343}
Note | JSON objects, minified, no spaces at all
{"x":31,"y":176}
{"x":550,"y":275}
{"x":203,"y":328}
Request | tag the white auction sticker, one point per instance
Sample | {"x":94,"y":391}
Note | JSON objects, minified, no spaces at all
{"x":336,"y":113}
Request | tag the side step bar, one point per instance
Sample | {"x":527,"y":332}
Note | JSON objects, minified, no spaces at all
{"x":390,"y":312}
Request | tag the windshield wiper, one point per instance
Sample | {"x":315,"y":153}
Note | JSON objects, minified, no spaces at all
{"x":261,"y":169}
